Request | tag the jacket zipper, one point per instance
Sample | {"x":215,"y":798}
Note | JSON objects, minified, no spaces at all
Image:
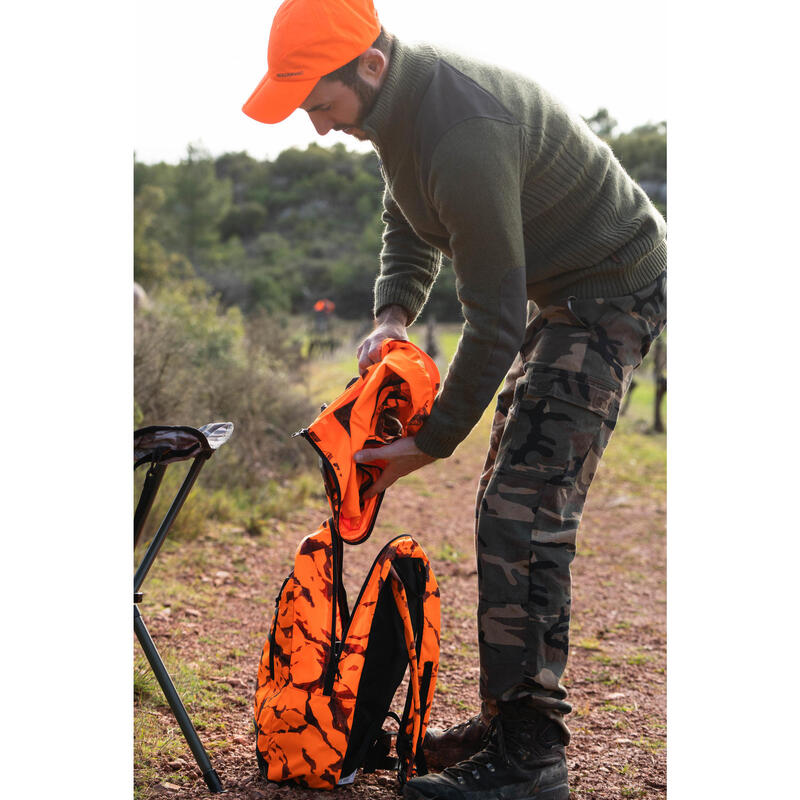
{"x":329,"y":472}
{"x":334,"y":484}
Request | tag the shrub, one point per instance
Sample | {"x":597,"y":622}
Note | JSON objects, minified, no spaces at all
{"x":194,"y":363}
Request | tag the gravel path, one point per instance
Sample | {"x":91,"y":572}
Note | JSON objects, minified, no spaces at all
{"x":616,"y":676}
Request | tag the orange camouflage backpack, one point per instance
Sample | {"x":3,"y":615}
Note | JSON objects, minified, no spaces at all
{"x":327,"y":676}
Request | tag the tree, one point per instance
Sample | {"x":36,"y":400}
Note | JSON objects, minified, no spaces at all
{"x":244,"y":220}
{"x":273,"y":236}
{"x":200,"y":201}
{"x":150,"y":262}
{"x":643,"y":151}
{"x":152,"y":265}
{"x":241,"y":169}
{"x":602,"y":123}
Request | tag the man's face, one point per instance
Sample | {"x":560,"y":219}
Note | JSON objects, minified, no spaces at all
{"x":334,"y":106}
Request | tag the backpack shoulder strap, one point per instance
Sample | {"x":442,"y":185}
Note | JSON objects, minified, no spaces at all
{"x":423,"y":658}
{"x":407,"y":739}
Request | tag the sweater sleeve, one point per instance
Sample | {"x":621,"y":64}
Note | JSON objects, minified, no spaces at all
{"x":474,"y":185}
{"x":409,"y":266}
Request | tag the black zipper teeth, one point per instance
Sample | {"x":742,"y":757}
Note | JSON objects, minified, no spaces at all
{"x":336,"y":581}
{"x":421,"y":631}
{"x":335,"y":486}
{"x":272,"y":645}
{"x":372,"y":524}
{"x":327,"y":464}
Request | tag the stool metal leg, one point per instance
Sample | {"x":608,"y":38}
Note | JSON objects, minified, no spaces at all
{"x":152,"y":551}
{"x":148,"y":645}
{"x":149,"y":491}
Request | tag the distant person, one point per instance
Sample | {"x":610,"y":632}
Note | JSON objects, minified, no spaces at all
{"x":485,"y":166}
{"x":323,"y":309}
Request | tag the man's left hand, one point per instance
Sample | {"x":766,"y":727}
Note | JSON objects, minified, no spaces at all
{"x":401,"y":458}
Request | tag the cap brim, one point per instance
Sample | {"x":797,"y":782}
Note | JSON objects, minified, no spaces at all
{"x":273,"y":100}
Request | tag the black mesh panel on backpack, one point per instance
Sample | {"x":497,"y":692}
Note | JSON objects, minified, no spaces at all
{"x":385,"y":662}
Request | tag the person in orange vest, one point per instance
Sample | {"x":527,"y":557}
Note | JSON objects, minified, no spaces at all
{"x":325,"y":305}
{"x":560,"y":260}
{"x":323,"y":309}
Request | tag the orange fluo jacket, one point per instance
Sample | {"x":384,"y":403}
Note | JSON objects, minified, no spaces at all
{"x":391,"y":400}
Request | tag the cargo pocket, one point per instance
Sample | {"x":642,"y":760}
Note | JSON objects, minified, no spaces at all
{"x":557,"y":420}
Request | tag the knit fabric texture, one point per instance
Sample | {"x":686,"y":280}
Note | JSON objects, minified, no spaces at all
{"x":485,"y":166}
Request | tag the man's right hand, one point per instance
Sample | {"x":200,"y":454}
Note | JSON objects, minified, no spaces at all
{"x":389,"y":324}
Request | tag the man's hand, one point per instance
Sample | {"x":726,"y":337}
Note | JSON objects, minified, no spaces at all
{"x":401,"y":457}
{"x":390,"y":324}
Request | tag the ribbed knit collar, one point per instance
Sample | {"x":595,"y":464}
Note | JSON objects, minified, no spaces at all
{"x":390,"y":123}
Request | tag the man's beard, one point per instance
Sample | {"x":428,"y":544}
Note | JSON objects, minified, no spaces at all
{"x":367,"y":95}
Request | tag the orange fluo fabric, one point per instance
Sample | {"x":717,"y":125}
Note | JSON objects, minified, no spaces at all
{"x":310,"y":724}
{"x":391,"y":400}
{"x":302,"y":732}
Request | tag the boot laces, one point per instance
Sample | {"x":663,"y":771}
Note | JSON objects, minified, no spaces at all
{"x":466,"y":723}
{"x":506,"y":742}
{"x":494,"y":751}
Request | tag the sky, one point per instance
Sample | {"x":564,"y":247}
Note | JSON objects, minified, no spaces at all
{"x":195,"y":65}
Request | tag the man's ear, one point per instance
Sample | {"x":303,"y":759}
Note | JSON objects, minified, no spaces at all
{"x":372,"y":65}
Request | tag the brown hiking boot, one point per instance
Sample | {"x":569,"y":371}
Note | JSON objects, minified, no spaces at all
{"x":443,"y":748}
{"x":523,"y":759}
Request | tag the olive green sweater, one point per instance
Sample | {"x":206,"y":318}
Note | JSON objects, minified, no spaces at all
{"x":483,"y":165}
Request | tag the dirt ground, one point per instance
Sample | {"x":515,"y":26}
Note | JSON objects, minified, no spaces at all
{"x":616,"y":676}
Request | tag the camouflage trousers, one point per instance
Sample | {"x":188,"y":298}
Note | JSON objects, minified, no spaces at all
{"x":555,"y":415}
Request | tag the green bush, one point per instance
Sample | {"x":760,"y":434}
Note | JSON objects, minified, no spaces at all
{"x":196,"y":363}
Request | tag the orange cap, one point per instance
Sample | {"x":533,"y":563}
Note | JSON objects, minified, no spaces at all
{"x":308,"y":40}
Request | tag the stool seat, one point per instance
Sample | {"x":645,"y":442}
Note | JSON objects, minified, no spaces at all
{"x":165,"y":444}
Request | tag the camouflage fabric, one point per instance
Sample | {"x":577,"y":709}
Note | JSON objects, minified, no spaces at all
{"x":555,"y":416}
